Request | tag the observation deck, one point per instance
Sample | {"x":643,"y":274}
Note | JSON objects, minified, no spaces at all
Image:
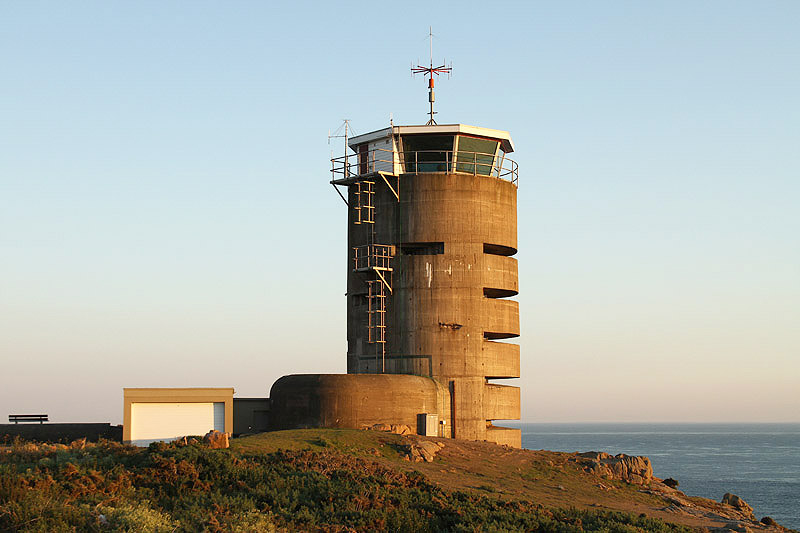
{"x":447,"y":149}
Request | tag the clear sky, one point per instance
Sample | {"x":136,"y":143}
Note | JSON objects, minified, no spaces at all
{"x":166,"y":218}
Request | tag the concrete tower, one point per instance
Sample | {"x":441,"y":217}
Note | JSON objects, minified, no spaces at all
{"x":432,"y":230}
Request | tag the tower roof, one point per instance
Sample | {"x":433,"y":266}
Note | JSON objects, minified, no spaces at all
{"x":503,"y":136}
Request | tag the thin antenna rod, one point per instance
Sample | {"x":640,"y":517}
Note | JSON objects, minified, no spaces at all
{"x":430,"y":40}
{"x":429,"y":72}
{"x":347,"y":131}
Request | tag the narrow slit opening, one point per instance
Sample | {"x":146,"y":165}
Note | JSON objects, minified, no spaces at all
{"x":422,"y":248}
{"x":489,"y":292}
{"x":492,"y":335}
{"x":498,"y":249}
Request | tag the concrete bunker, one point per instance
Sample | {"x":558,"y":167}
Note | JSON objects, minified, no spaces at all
{"x":355,"y":400}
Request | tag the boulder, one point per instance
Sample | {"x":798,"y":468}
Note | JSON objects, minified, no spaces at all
{"x":216,"y":440}
{"x":597,"y":456}
{"x":400,"y":429}
{"x":415,"y":454}
{"x":629,"y":468}
{"x":739,"y":504}
{"x":429,"y":450}
{"x":671,"y":483}
{"x":769,"y":521}
{"x":422,"y":451}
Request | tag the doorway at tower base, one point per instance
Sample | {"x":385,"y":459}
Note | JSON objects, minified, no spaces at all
{"x":359,"y":401}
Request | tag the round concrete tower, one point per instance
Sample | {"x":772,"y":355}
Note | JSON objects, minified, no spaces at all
{"x":432,"y":230}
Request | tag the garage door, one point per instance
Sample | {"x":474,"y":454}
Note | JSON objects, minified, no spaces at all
{"x":151,"y":422}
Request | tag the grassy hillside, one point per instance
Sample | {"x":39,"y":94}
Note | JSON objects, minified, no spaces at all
{"x":311,"y":480}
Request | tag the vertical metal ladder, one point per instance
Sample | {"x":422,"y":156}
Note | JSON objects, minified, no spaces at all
{"x":374,"y":260}
{"x":376,"y":310}
{"x":364,"y":205}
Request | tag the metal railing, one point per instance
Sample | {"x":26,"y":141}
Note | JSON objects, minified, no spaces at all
{"x":424,"y":162}
{"x":373,"y":256}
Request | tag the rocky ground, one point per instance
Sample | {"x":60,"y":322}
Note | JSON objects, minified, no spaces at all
{"x":590,"y":480}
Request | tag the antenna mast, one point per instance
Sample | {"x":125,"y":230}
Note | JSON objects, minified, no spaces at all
{"x":430,"y":71}
{"x":346,"y":126}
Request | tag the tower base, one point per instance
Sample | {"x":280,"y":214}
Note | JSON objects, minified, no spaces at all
{"x":359,"y":401}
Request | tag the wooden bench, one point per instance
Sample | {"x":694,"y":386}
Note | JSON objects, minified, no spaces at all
{"x":27,"y":418}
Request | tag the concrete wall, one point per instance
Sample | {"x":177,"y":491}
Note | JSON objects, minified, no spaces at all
{"x":60,"y":432}
{"x":447,"y":310}
{"x":501,"y":402}
{"x":354,"y":401}
{"x":506,"y":436}
{"x":250,"y":415}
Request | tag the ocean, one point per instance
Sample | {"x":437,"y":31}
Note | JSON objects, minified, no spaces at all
{"x":758,"y":462}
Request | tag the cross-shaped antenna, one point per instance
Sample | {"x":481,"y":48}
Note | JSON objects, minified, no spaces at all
{"x":430,"y":71}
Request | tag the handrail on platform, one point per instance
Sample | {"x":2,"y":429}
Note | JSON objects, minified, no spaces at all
{"x":424,"y":162}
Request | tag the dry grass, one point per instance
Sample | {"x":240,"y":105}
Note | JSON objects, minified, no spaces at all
{"x":544,"y":477}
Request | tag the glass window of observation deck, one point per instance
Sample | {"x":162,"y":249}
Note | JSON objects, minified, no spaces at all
{"x":475,"y":156}
{"x":428,"y":153}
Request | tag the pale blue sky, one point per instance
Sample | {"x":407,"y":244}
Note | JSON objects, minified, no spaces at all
{"x":165,"y":217}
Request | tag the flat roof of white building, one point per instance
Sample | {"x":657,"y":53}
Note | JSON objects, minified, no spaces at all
{"x":503,"y":136}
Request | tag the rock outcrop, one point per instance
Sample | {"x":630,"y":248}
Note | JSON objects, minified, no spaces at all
{"x":216,"y":440}
{"x":424,"y":450}
{"x":769,"y":521}
{"x":629,"y":468}
{"x":399,"y":429}
{"x":739,"y":504}
{"x":671,"y":483}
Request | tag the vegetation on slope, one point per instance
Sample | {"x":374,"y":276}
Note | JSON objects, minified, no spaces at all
{"x":112,"y":487}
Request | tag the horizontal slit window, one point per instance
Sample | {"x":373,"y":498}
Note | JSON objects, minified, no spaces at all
{"x":498,"y":293}
{"x":422,"y":248}
{"x":492,"y":335}
{"x":498,"y":249}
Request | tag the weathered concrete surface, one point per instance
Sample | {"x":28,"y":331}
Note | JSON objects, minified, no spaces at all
{"x":501,"y":402}
{"x":506,"y":436}
{"x":447,"y":308}
{"x":500,"y":272}
{"x":500,"y":360}
{"x":354,"y":401}
{"x":501,"y":318}
{"x":250,"y":415}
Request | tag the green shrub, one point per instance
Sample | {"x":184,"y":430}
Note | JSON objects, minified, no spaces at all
{"x":138,"y":517}
{"x":191,"y":488}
